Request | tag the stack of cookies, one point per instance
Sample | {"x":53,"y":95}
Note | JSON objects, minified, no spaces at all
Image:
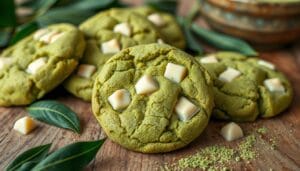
{"x":148,"y":96}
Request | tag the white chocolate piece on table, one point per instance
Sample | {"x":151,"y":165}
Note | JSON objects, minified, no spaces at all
{"x":146,"y":85}
{"x":25,"y":125}
{"x":5,"y":61}
{"x":229,"y":74}
{"x":185,"y":109}
{"x":209,"y":59}
{"x":123,"y":28}
{"x":232,"y":131}
{"x":86,"y":70}
{"x":39,"y":33}
{"x":111,"y":46}
{"x":266,"y":64}
{"x":34,"y":66}
{"x":120,"y":99}
{"x":156,"y":19}
{"x":46,"y":38}
{"x":175,"y":72}
{"x":274,"y":85}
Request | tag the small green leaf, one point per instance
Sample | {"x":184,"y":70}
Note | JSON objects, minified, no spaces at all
{"x":163,"y":5}
{"x":224,"y":42}
{"x":71,"y":157}
{"x":55,"y":113}
{"x":192,"y":42}
{"x":27,"y":166}
{"x":7,"y":13}
{"x":35,"y":154}
{"x":23,"y":31}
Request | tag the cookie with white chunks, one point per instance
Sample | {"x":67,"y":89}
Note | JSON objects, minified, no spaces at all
{"x":152,"y":98}
{"x":245,"y":88}
{"x":166,"y":25}
{"x":38,"y":63}
{"x":107,"y":33}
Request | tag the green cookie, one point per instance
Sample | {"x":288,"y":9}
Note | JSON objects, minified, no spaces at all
{"x":244,"y":97}
{"x":166,"y":24}
{"x":115,"y":29}
{"x":152,"y":121}
{"x":38,"y":63}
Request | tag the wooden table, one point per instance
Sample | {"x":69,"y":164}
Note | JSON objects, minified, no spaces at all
{"x":285,"y":129}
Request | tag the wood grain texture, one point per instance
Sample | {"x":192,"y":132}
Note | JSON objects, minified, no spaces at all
{"x":285,"y":129}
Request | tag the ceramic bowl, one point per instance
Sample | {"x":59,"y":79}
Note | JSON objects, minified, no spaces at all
{"x":261,"y":22}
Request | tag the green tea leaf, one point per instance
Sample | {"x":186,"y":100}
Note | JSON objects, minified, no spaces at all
{"x":192,"y":42}
{"x":54,"y":113}
{"x":71,"y":157}
{"x":224,"y":42}
{"x":27,"y":166}
{"x":35,"y":154}
{"x":7,"y":13}
{"x":23,"y":31}
{"x":163,"y":5}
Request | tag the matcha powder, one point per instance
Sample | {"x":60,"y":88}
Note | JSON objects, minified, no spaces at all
{"x":217,"y":157}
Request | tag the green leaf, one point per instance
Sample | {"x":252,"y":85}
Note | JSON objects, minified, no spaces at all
{"x":71,"y":157}
{"x":163,"y":5}
{"x":27,"y":166}
{"x":5,"y":35}
{"x":74,"y":13}
{"x":23,"y":31}
{"x":35,"y":154}
{"x":41,"y":6}
{"x":224,"y":42}
{"x":7,"y":13}
{"x":55,"y":113}
{"x":192,"y":42}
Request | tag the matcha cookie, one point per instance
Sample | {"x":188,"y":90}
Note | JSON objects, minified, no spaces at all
{"x":107,"y":33}
{"x":240,"y":87}
{"x":166,"y":24}
{"x":152,"y":98}
{"x":39,"y":63}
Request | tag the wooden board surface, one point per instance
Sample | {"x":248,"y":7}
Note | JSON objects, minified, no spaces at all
{"x":285,"y":129}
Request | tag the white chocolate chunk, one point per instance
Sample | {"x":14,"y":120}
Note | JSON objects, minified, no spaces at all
{"x":86,"y":70}
{"x":175,"y":72}
{"x":229,"y":74}
{"x":266,"y":64}
{"x":5,"y":61}
{"x":274,"y":85}
{"x":120,"y":99}
{"x":46,"y":38}
{"x":231,"y":131}
{"x":146,"y":85}
{"x":123,"y":28}
{"x":209,"y":59}
{"x":160,"y":41}
{"x":38,"y":34}
{"x":25,"y":125}
{"x":34,"y":66}
{"x":55,"y":37}
{"x":156,"y":19}
{"x":185,"y":109}
{"x":111,"y":46}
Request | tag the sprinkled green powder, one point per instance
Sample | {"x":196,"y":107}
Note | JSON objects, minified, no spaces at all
{"x":246,"y":148}
{"x":262,"y":130}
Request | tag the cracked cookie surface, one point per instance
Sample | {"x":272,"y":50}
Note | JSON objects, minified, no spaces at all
{"x":149,"y":123}
{"x":100,"y":29}
{"x":246,"y":97}
{"x":38,"y":65}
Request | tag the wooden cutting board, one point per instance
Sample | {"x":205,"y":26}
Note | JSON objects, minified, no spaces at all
{"x":285,"y":129}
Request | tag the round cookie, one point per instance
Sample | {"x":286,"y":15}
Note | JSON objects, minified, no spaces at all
{"x":152,"y":98}
{"x":38,"y":63}
{"x":166,"y":24}
{"x":240,"y":93}
{"x":107,"y":33}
